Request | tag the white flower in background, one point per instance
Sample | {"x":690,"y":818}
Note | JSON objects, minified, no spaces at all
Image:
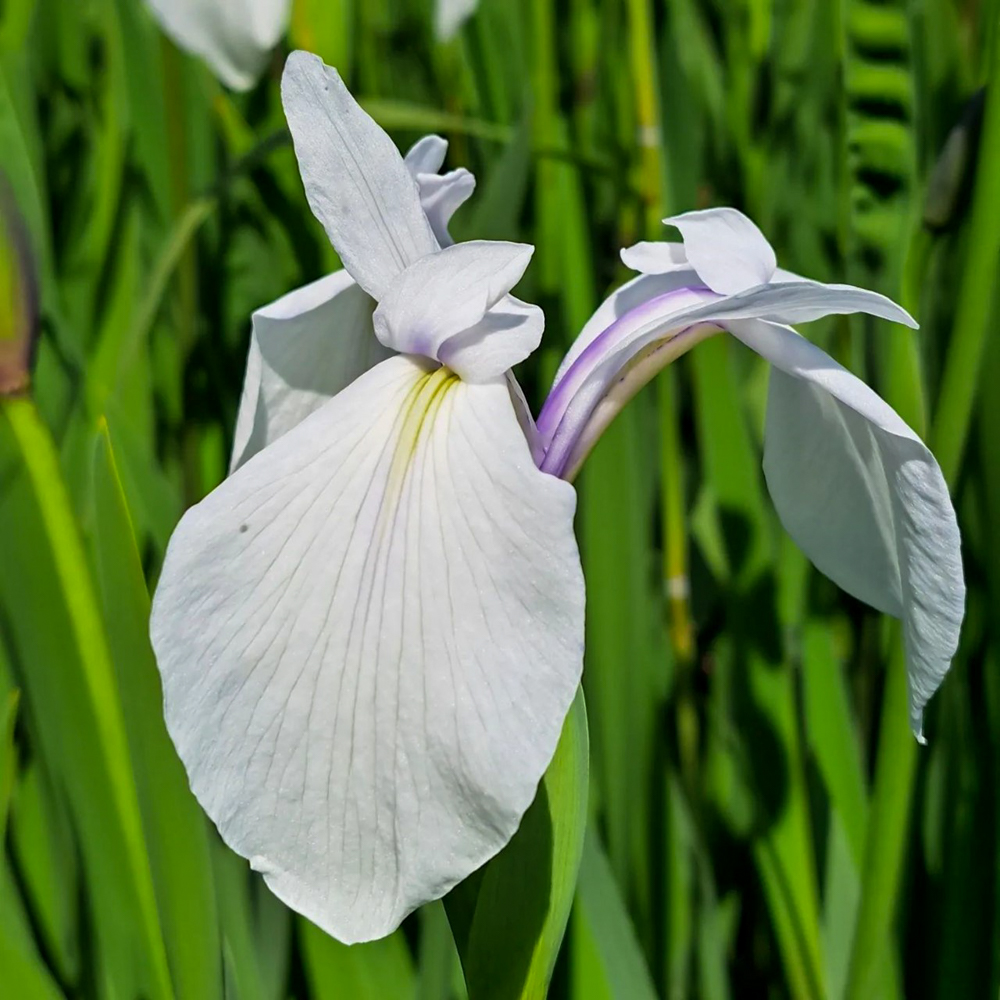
{"x":854,"y":486}
{"x":235,"y":37}
{"x":450,"y":15}
{"x":369,"y":635}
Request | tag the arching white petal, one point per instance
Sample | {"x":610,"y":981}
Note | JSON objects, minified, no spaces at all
{"x":441,"y":196}
{"x":655,"y":258}
{"x":234,"y":37}
{"x":450,"y":15}
{"x":426,"y":155}
{"x":801,"y":301}
{"x":356,"y":182}
{"x":369,"y":637}
{"x":580,"y":386}
{"x":864,"y":498}
{"x":621,"y":301}
{"x":449,"y":292}
{"x":304,"y":348}
{"x":726,"y":248}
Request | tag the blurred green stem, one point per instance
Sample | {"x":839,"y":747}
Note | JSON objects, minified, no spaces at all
{"x":652,"y":187}
{"x":953,"y":414}
{"x":187,"y":264}
{"x":888,"y":827}
{"x":37,"y":451}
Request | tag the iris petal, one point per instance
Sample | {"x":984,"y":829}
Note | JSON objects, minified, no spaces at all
{"x":448,"y":294}
{"x":235,"y":37}
{"x":726,"y":249}
{"x":864,"y":498}
{"x":369,"y":637}
{"x":304,"y":348}
{"x":356,"y":182}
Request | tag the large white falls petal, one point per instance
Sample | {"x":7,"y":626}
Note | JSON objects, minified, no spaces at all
{"x":864,"y":498}
{"x":369,"y":637}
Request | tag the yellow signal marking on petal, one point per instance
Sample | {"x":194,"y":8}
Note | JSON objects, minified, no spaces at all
{"x":419,"y":408}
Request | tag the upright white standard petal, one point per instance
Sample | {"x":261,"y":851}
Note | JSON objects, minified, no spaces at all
{"x":355,"y":179}
{"x":435,"y":307}
{"x":726,"y":248}
{"x":369,"y":637}
{"x":450,"y":15}
{"x":235,"y":37}
{"x":314,"y":341}
{"x":864,"y":498}
{"x":304,"y":348}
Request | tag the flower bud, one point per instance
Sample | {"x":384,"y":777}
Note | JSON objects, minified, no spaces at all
{"x":18,"y":297}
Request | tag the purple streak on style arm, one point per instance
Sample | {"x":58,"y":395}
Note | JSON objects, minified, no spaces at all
{"x":608,"y":341}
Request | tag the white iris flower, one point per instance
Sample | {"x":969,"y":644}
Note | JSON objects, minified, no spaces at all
{"x":235,"y":37}
{"x":370,"y":634}
{"x":450,"y":15}
{"x":854,"y":486}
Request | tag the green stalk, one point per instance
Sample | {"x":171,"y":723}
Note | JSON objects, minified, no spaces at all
{"x":888,"y":828}
{"x":953,"y":415}
{"x":653,"y":185}
{"x":37,"y":452}
{"x":187,"y":266}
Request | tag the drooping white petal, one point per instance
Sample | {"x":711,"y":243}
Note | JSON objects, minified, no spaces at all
{"x":235,"y":37}
{"x":369,"y":637}
{"x":450,"y":292}
{"x":655,"y":258}
{"x":356,"y":182}
{"x":863,"y":497}
{"x":304,"y":348}
{"x":450,"y":15}
{"x":726,"y":248}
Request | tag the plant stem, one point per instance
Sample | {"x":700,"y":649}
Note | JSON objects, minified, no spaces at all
{"x":652,"y":188}
{"x":953,"y":414}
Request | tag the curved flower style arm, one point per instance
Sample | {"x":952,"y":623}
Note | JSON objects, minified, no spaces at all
{"x":235,"y":37}
{"x":370,"y":634}
{"x":852,"y":483}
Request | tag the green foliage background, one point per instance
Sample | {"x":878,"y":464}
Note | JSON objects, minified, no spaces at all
{"x":760,"y":822}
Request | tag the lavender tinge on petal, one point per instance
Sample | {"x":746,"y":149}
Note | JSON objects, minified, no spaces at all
{"x":615,"y":336}
{"x":578,"y":391}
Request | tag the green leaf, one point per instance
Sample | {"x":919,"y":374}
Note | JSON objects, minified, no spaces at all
{"x":607,"y":961}
{"x":173,"y":822}
{"x":8,"y":754}
{"x":510,"y":917}
{"x":379,"y":970}
{"x":64,"y":667}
